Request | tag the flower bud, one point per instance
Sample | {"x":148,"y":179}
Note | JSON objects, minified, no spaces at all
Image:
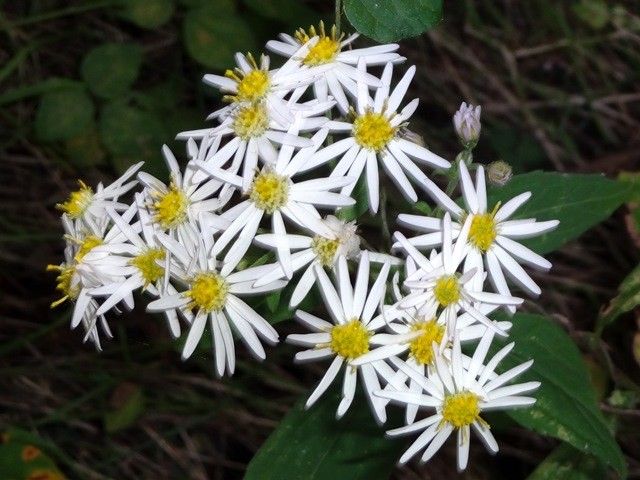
{"x":467,"y":124}
{"x":499,"y":173}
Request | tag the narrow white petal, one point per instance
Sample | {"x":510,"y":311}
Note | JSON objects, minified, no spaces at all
{"x":327,"y":379}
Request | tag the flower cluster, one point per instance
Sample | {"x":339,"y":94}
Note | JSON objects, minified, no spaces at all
{"x":275,"y":173}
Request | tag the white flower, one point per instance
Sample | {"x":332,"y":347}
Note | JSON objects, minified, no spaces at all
{"x":459,"y":395}
{"x":491,"y":235}
{"x":374,"y":136}
{"x":348,"y":334}
{"x":253,"y":132}
{"x":205,"y":294}
{"x":88,"y":205}
{"x":83,"y":270}
{"x":467,"y":124}
{"x":250,"y":83}
{"x":141,"y":262}
{"x":438,"y":285}
{"x":315,"y":250}
{"x":331,"y":51}
{"x":415,"y":333}
{"x":274,"y":192}
{"x":177,"y":206}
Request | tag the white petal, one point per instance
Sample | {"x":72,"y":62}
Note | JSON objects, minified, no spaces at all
{"x":195,"y":334}
{"x":328,"y":377}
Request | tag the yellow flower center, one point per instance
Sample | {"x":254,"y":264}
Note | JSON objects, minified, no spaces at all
{"x":325,"y":249}
{"x":461,"y":409}
{"x":87,"y":244}
{"x":78,"y":201}
{"x":170,"y":207}
{"x":64,"y":283}
{"x":421,"y":347}
{"x":208,"y":292}
{"x":251,"y":121}
{"x":447,"y":290}
{"x":350,"y":340}
{"x":483,"y":231}
{"x":269,"y":191}
{"x":373,"y":131}
{"x":251,"y":86}
{"x":325,"y":50}
{"x":147,"y":264}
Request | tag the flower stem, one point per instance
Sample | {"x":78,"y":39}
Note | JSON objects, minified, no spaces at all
{"x":338,"y":15}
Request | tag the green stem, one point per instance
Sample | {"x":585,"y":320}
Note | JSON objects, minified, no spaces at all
{"x":338,"y":16}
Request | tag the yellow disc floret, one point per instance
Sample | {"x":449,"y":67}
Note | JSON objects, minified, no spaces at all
{"x":350,"y":340}
{"x":64,"y":283}
{"x":208,"y":292}
{"x":421,"y":347}
{"x":85,"y":245}
{"x":373,"y":130}
{"x":483,"y":231}
{"x":147,"y":264}
{"x":269,"y":191}
{"x":461,"y":409}
{"x":325,"y":50}
{"x":447,"y":290}
{"x":78,"y":201}
{"x":251,"y":86}
{"x":170,"y":207}
{"x":325,"y":249}
{"x":251,"y":121}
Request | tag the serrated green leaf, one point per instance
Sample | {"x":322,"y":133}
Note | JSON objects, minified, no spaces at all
{"x":627,"y":299}
{"x":213,"y":34}
{"x":313,"y":445}
{"x":566,"y":406}
{"x":566,"y":463}
{"x":63,"y":114}
{"x":148,"y":14}
{"x":578,"y":201}
{"x":392,"y":20}
{"x":110,"y":69}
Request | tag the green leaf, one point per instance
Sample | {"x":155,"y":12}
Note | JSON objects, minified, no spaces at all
{"x":566,"y":463}
{"x":578,"y":201}
{"x":132,"y":135}
{"x":85,"y":150}
{"x":360,"y":195}
{"x":128,"y":402}
{"x":627,"y":299}
{"x":63,"y":114}
{"x":391,"y":20}
{"x":594,"y":13}
{"x":148,"y":13}
{"x":110,"y":69}
{"x":23,"y":454}
{"x":313,"y":445}
{"x":566,"y":406}
{"x":213,"y":33}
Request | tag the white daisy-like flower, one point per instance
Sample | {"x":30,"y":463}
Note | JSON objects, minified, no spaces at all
{"x":252,"y":132}
{"x":437,"y":285}
{"x":414,"y":333}
{"x":459,"y":395}
{"x":348,"y":335}
{"x":207,"y":295}
{"x":142,"y":261}
{"x":249,"y":83}
{"x":374,"y":136}
{"x":333,"y":51}
{"x":274,"y":192}
{"x":315,"y":250}
{"x":176,"y":207}
{"x":86,"y":204}
{"x":492,"y":236}
{"x":82,"y":270}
